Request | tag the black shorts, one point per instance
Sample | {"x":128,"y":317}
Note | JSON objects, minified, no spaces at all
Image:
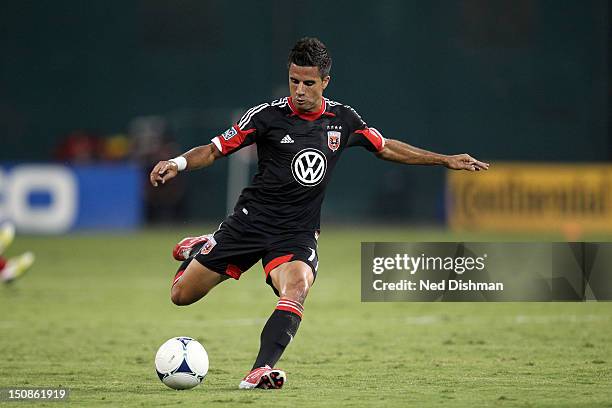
{"x":238,"y":244}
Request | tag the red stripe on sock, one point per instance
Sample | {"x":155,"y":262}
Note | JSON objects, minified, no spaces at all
{"x":290,"y":309}
{"x":291,"y":306}
{"x":290,"y":302}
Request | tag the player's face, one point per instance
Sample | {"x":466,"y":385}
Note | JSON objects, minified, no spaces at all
{"x":306,"y":87}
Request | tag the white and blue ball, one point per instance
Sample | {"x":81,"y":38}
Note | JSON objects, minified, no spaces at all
{"x":181,"y":363}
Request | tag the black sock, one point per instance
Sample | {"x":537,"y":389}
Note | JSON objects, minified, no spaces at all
{"x":278,"y":332}
{"x":180,"y":271}
{"x":186,"y":262}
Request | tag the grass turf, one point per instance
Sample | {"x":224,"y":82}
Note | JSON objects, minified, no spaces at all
{"x":93,"y":310}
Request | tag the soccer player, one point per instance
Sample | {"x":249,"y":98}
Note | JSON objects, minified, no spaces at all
{"x":12,"y":268}
{"x":299,"y":140}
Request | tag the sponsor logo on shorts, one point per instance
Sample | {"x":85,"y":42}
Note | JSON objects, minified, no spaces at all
{"x":209,"y":244}
{"x":229,"y":133}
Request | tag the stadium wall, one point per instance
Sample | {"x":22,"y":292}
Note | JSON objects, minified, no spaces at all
{"x":511,"y":80}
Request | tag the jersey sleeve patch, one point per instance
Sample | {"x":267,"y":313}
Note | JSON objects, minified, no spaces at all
{"x":231,"y":139}
{"x":374,"y":137}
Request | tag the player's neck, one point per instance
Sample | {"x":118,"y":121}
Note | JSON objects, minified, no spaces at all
{"x":314,"y":113}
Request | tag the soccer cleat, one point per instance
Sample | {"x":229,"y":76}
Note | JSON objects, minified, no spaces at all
{"x":182,"y":250}
{"x":266,"y":378}
{"x":16,"y":267}
{"x":7,"y":234}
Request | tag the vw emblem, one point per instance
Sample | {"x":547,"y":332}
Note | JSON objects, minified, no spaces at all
{"x":308,"y":167}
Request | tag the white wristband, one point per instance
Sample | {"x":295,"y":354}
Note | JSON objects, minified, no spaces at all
{"x":180,"y":161}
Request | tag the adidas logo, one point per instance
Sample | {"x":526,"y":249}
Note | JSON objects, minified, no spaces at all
{"x":287,"y":139}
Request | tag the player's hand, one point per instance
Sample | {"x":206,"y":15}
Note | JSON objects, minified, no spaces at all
{"x":465,"y":162}
{"x":162,"y":172}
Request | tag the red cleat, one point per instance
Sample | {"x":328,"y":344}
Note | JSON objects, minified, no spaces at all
{"x":265,"y":378}
{"x":182,"y":250}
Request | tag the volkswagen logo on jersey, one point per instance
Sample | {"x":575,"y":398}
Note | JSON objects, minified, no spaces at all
{"x":308,"y":167}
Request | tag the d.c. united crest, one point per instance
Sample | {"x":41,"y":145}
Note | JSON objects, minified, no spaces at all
{"x":208,"y":245}
{"x":333,"y":140}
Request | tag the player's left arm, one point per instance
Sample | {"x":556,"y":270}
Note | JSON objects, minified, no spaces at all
{"x":400,"y":152}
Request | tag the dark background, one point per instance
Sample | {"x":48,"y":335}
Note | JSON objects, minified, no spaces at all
{"x":503,"y":80}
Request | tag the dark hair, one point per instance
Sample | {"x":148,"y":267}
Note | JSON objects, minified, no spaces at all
{"x":311,"y":52}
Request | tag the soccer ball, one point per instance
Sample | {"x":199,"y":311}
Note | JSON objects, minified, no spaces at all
{"x":181,"y":363}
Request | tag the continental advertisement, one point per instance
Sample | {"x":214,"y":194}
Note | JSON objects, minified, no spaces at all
{"x":568,"y":198}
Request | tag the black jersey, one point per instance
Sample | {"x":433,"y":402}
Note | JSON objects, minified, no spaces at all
{"x":297,"y":154}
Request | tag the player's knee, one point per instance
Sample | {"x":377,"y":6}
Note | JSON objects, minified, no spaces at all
{"x":183,"y":296}
{"x":179,"y":297}
{"x":297,"y":285}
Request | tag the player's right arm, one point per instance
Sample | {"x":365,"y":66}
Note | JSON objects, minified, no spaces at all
{"x":240,"y":135}
{"x":196,"y":158}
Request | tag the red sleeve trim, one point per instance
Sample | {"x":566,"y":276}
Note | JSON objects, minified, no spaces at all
{"x":231,"y":139}
{"x":374,"y":137}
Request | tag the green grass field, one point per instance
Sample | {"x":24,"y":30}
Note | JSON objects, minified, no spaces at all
{"x":93,"y":310}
